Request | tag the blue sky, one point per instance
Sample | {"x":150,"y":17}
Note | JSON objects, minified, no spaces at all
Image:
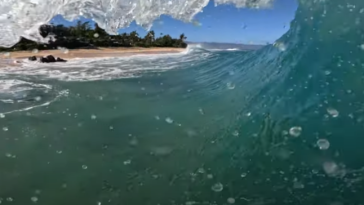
{"x":224,"y":23}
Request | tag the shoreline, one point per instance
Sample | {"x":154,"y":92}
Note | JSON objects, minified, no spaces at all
{"x":16,"y":56}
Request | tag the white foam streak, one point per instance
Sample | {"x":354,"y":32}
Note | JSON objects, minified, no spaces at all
{"x":23,"y":17}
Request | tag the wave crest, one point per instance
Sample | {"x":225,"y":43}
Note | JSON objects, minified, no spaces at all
{"x":23,"y":17}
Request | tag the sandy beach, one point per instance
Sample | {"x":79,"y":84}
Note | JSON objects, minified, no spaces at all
{"x":11,"y":57}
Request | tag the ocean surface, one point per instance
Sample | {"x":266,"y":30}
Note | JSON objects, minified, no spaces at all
{"x":283,"y":124}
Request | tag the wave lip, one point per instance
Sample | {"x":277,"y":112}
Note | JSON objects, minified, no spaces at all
{"x":23,"y":17}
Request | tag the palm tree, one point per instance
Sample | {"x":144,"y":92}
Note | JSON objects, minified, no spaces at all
{"x":182,"y":37}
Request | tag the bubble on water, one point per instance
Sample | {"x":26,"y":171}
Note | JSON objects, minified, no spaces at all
{"x":231,"y":200}
{"x":111,"y":127}
{"x":323,"y":144}
{"x":295,"y":131}
{"x":248,"y":114}
{"x":34,"y":199}
{"x":235,"y":133}
{"x":169,"y":120}
{"x":218,"y":187}
{"x":5,"y":129}
{"x":201,"y":170}
{"x":8,"y":155}
{"x":9,"y":199}
{"x":38,"y":98}
{"x":35,"y":51}
{"x":333,"y":112}
{"x":243,"y":175}
{"x":2,"y":115}
{"x":230,"y":85}
{"x":59,"y":151}
{"x":127,"y":162}
{"x":96,"y":35}
{"x":93,"y":117}
{"x":84,"y":167}
{"x":210,"y":176}
{"x":157,"y":117}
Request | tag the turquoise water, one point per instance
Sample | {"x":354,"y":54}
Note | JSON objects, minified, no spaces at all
{"x":280,"y":125}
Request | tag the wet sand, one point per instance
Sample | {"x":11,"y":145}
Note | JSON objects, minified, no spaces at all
{"x":12,"y":58}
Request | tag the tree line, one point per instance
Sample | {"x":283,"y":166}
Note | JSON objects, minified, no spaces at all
{"x":82,"y":35}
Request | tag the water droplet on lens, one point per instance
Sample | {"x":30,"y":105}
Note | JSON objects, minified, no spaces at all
{"x":126,"y":162}
{"x":231,"y":200}
{"x":169,"y":120}
{"x":323,"y":144}
{"x":34,"y":199}
{"x":235,"y":133}
{"x":218,"y":187}
{"x":295,"y":131}
{"x":333,"y":112}
{"x":230,"y":86}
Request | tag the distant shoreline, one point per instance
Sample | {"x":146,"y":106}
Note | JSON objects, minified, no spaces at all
{"x":15,"y":57}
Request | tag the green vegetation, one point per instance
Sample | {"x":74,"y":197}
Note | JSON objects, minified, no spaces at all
{"x":83,"y":36}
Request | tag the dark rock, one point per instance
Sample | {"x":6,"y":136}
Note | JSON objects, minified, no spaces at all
{"x":60,"y":60}
{"x":43,"y":60}
{"x":32,"y":58}
{"x":51,"y":59}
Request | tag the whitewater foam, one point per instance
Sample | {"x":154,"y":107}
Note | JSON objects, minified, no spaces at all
{"x":23,"y":17}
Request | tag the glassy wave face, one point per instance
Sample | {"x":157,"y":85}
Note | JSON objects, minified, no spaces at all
{"x":278,"y":125}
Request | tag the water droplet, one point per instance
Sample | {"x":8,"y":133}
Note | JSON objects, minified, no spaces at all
{"x":323,"y":144}
{"x":5,"y":129}
{"x":295,"y":131}
{"x":235,"y":133}
{"x":35,"y":51}
{"x":126,"y":162}
{"x":243,"y":174}
{"x":84,"y":167}
{"x":333,"y":112}
{"x":298,"y":185}
{"x":231,"y":200}
{"x":96,"y":35}
{"x":34,"y":199}
{"x":93,"y":117}
{"x":330,"y":167}
{"x":230,"y":85}
{"x":218,"y":187}
{"x":362,"y":46}
{"x":2,"y":115}
{"x":169,"y":120}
